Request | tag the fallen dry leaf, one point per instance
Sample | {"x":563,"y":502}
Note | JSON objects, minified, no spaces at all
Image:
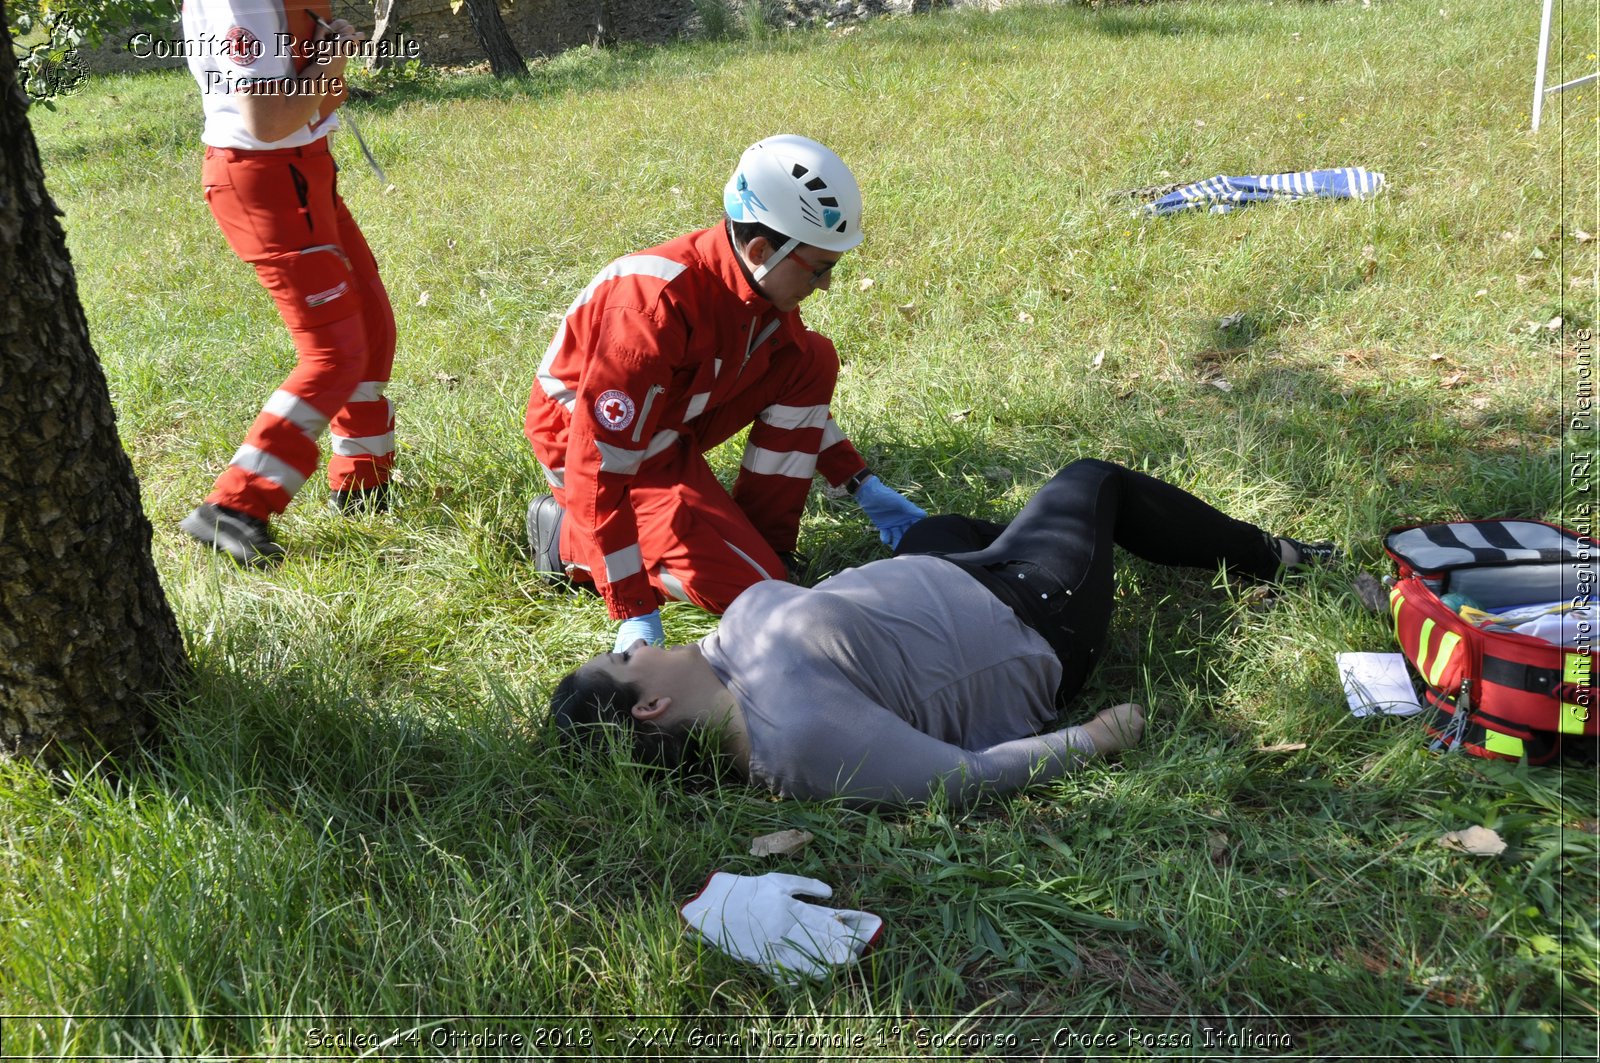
{"x":1369,"y":261}
{"x":781,"y":843}
{"x":1582,"y":237}
{"x":1220,"y":384}
{"x":422,"y":300}
{"x":1553,"y":325}
{"x":1480,"y":293}
{"x":1453,"y":380}
{"x":1374,"y":596}
{"x":1537,"y":255}
{"x":1230,"y":321}
{"x":957,"y":416}
{"x":1025,"y":317}
{"x":1218,"y":847}
{"x":1098,"y":360}
{"x":1479,"y":841}
{"x":1284,"y":747}
{"x":907,"y":310}
{"x":867,"y":282}
{"x":1435,"y":357}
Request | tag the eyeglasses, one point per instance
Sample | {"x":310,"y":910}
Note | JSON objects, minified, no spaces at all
{"x":817,"y":275}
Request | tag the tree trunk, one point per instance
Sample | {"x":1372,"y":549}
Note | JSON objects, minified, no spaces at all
{"x":504,"y":59}
{"x":86,"y":636}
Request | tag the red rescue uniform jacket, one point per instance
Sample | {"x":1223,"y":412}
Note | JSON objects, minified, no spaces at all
{"x":648,"y":354}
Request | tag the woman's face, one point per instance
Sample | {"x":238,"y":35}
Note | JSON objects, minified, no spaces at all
{"x":656,"y":671}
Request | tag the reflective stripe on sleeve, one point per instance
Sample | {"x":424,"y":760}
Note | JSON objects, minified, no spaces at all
{"x":369,"y":391}
{"x":629,"y":266}
{"x":626,"y":462}
{"x":624,"y":563}
{"x":831,"y":434}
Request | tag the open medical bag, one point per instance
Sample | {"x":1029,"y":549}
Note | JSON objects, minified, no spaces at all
{"x":1491,"y":691}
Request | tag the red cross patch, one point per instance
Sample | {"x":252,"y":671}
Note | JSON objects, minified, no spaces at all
{"x":614,"y":410}
{"x":241,"y":46}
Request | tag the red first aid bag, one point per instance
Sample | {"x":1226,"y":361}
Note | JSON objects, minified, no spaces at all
{"x":1492,"y":691}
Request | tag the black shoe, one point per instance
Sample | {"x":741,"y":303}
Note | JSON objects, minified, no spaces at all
{"x":374,"y":499}
{"x":1308,"y":554}
{"x":796,"y":565}
{"x":246,"y":539}
{"x":544,"y":535}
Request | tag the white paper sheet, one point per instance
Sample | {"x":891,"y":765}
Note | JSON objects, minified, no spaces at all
{"x":1377,"y":683}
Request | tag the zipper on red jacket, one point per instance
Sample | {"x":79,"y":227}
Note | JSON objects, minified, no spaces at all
{"x":752,"y":341}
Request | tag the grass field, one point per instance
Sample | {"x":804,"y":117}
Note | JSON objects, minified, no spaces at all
{"x":355,"y":830}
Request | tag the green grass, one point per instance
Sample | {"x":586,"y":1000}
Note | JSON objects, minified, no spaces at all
{"x":356,"y":813}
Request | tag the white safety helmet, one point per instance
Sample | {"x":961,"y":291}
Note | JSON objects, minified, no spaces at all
{"x":796,"y":187}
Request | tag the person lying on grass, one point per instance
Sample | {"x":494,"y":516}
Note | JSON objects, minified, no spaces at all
{"x":939,"y":670}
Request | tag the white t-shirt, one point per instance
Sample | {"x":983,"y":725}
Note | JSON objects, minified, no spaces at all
{"x":234,"y":41}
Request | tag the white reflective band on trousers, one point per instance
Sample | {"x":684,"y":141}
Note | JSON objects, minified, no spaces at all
{"x":363,"y":446}
{"x":257,"y":461}
{"x":795,"y":463}
{"x":296,"y":411}
{"x":793,"y":417}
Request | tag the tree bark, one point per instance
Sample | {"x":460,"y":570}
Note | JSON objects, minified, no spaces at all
{"x":86,"y":635}
{"x":504,"y":59}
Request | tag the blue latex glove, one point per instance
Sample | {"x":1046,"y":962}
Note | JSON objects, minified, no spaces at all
{"x":890,"y":511}
{"x":647,"y":627}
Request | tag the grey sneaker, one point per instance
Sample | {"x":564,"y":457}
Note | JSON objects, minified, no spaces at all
{"x":246,"y":539}
{"x":356,"y":500}
{"x":544,"y":535}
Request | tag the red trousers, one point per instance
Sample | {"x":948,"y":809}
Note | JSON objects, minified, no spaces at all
{"x":281,"y":212}
{"x":700,"y":544}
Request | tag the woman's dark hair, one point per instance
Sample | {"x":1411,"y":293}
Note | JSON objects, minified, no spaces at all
{"x":745,"y":231}
{"x":588,"y":708}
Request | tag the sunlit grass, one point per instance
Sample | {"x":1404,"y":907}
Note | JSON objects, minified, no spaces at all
{"x":356,"y":812}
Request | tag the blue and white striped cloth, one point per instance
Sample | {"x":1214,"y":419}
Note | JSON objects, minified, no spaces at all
{"x":1222,"y":194}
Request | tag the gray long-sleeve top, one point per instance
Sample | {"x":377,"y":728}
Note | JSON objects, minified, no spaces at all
{"x":888,"y":681}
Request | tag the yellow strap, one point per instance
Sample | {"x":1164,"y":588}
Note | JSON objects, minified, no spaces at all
{"x":1443,"y":657}
{"x":1495,"y":742}
{"x":1424,"y":655}
{"x":1578,"y":669}
{"x":1573,"y":718}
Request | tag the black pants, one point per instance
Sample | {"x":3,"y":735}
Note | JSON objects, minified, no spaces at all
{"x":1053,"y":564}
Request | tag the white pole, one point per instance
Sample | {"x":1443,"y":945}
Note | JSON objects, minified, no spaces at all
{"x":1538,"y":77}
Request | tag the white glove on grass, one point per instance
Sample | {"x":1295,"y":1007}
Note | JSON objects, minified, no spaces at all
{"x":759,"y":919}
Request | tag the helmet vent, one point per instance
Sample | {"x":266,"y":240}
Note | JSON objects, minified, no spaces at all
{"x":798,"y":171}
{"x":816,"y":184}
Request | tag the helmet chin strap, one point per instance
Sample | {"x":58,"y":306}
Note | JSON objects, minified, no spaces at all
{"x":773,"y":259}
